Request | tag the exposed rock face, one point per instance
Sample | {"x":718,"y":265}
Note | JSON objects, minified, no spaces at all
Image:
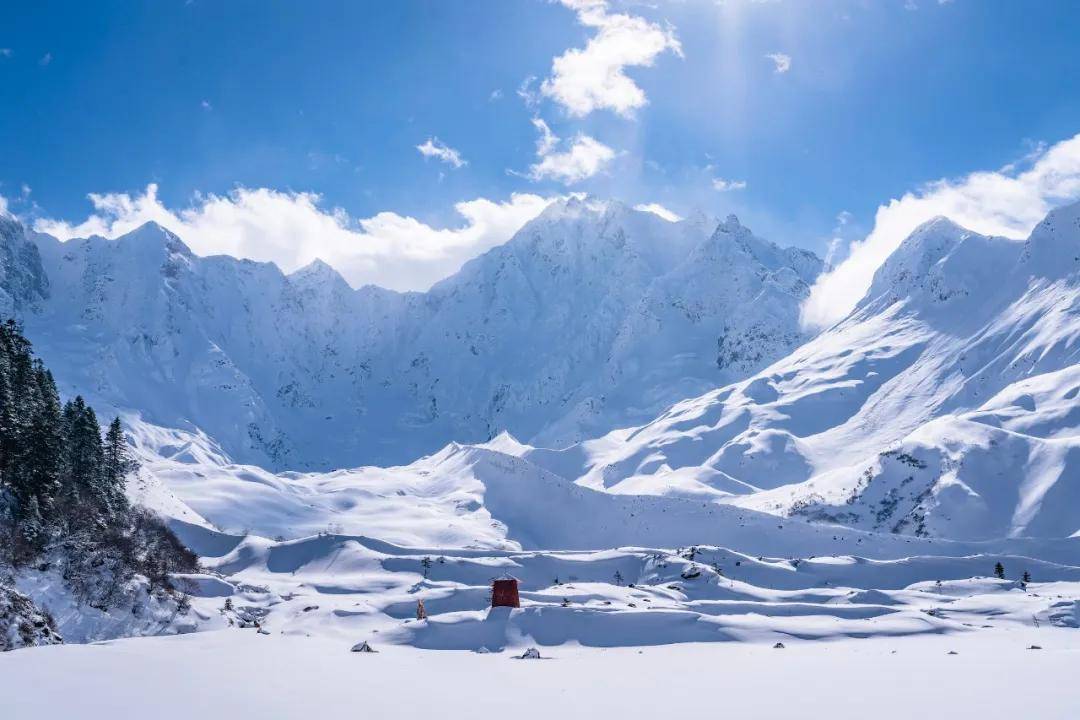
{"x":23,"y":281}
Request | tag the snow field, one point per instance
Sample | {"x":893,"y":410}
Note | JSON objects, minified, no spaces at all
{"x":229,"y":674}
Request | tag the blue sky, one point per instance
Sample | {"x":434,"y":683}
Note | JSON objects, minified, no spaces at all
{"x":789,"y":113}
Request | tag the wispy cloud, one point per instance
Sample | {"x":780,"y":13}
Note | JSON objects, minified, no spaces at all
{"x":840,"y":229}
{"x":45,"y":60}
{"x":1009,"y":202}
{"x":594,"y":77}
{"x":528,"y":93}
{"x":781,"y":62}
{"x":434,"y":148}
{"x":291,"y":229}
{"x":583,"y":157}
{"x":6,"y":52}
{"x":722,"y":185}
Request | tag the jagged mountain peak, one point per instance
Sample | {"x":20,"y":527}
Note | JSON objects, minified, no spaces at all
{"x":732,"y":240}
{"x":731,"y":224}
{"x":940,"y":264}
{"x":586,"y":238}
{"x":960,"y":277}
{"x":317,"y":273}
{"x":587,"y":212}
{"x":564,"y":331}
{"x":732,"y":236}
{"x":912,"y":261}
{"x":150,"y":228}
{"x":944,"y":405}
{"x":572,"y":207}
{"x":941,"y":260}
{"x":152,"y":233}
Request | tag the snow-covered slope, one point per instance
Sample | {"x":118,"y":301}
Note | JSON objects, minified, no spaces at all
{"x":593,"y":316}
{"x":945,"y":404}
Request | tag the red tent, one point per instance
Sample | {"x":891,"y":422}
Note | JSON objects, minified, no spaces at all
{"x":504,"y":592}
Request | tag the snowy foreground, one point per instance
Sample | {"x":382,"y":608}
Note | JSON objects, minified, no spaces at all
{"x":637,"y":632}
{"x":230,"y":674}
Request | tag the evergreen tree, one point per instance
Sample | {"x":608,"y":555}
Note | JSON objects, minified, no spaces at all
{"x":999,"y":571}
{"x":43,"y":444}
{"x":1027,"y":577}
{"x":84,"y":462}
{"x":117,"y":465}
{"x":62,"y":488}
{"x":32,"y":532}
{"x":8,"y":445}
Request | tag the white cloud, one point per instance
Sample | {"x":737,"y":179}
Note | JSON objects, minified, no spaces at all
{"x":843,"y":221}
{"x":435,"y":148}
{"x":205,"y":104}
{"x":3,"y":206}
{"x":547,"y":141}
{"x":527,"y":93}
{"x":292,"y":229}
{"x":1009,"y":202}
{"x":495,"y":95}
{"x":594,"y":78}
{"x":584,"y":157}
{"x":781,"y":61}
{"x":722,"y":185}
{"x":658,"y":210}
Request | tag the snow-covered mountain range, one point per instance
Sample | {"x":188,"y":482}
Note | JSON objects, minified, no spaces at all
{"x":944,"y":406}
{"x":593,"y":316}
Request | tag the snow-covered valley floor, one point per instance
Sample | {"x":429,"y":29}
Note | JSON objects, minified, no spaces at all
{"x":230,"y":674}
{"x":631,"y":631}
